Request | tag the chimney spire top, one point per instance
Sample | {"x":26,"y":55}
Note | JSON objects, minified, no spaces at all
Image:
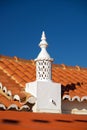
{"x":43,"y":36}
{"x":43,"y":42}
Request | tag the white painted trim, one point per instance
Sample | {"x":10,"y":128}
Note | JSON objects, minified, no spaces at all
{"x":4,"y":89}
{"x":83,"y":98}
{"x":66,"y":97}
{"x":31,"y":100}
{"x":13,"y":106}
{"x":16,"y":97}
{"x":2,"y":106}
{"x":24,"y":107}
{"x":1,"y":86}
{"x":76,"y":98}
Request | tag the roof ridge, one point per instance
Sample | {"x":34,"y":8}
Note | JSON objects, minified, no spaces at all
{"x":17,"y":59}
{"x":64,"y":66}
{"x":31,"y":61}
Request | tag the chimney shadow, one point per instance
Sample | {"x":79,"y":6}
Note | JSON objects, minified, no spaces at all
{"x":68,"y":87}
{"x":30,"y":106}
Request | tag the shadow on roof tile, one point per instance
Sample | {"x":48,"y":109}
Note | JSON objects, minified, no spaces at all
{"x":40,"y":121}
{"x":78,"y":120}
{"x":10,"y":121}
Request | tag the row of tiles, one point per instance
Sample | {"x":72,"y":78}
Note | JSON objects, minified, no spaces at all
{"x":72,"y":79}
{"x":6,"y":104}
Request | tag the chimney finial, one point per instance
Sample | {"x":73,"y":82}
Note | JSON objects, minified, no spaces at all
{"x":43,"y":36}
{"x":43,"y":42}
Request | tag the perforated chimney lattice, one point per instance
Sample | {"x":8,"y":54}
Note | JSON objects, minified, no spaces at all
{"x":43,"y":70}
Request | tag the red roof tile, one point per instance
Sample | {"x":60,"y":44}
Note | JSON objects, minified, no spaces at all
{"x":16,"y":72}
{"x":11,"y":120}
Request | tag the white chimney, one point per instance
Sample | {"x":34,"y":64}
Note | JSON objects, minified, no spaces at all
{"x":47,"y":93}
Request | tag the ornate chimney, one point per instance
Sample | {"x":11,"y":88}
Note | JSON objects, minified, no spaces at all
{"x":46,"y":92}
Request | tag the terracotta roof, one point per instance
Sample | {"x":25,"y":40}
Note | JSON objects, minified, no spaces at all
{"x":73,"y":81}
{"x":16,"y":72}
{"x":11,"y":120}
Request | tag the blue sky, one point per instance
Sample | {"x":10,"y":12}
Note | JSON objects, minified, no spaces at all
{"x":64,"y":22}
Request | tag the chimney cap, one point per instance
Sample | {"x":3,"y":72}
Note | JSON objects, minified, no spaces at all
{"x":43,"y":55}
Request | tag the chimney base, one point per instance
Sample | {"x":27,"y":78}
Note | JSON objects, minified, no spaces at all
{"x":48,"y":96}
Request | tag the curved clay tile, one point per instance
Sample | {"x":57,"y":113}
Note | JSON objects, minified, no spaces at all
{"x":2,"y":107}
{"x":9,"y":93}
{"x":31,"y":100}
{"x":16,"y":97}
{"x":83,"y":98}
{"x":76,"y":98}
{"x":24,"y":108}
{"x":4,"y":89}
{"x":12,"y":107}
{"x":4,"y":100}
{"x":0,"y":85}
{"x":67,"y":97}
